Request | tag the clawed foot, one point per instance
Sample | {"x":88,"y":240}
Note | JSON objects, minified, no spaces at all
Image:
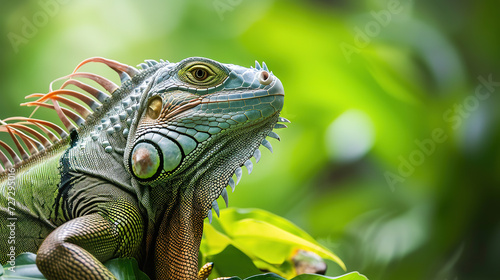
{"x":206,"y":270}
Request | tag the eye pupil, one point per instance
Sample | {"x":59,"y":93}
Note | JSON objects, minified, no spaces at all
{"x":200,"y":74}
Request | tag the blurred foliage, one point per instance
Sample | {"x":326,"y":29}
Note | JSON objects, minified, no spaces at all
{"x":356,"y":120}
{"x":271,"y":276}
{"x":266,"y":241}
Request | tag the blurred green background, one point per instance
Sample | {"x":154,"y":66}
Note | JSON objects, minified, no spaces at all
{"x":391,"y":159}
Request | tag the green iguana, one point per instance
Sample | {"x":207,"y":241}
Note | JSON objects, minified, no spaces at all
{"x":136,"y":171}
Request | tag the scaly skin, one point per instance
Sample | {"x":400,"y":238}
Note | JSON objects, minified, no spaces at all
{"x":140,"y":175}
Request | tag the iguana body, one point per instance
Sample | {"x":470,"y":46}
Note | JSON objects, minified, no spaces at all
{"x":141,"y":169}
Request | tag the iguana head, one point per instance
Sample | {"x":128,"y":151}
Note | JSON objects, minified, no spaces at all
{"x":200,"y":120}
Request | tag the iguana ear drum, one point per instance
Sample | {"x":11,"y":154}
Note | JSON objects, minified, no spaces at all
{"x":149,"y":158}
{"x":145,"y":160}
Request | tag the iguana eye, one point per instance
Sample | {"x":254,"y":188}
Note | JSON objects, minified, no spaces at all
{"x":199,"y":74}
{"x":202,"y":74}
{"x":154,"y":107}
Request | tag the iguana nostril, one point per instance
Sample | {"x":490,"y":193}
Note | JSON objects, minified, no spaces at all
{"x":265,"y":78}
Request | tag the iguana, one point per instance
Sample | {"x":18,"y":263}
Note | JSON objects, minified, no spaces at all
{"x":137,"y":168}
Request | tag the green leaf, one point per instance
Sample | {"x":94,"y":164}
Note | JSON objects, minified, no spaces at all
{"x":232,"y":215}
{"x":25,"y":268}
{"x":267,"y":239}
{"x":267,"y":276}
{"x":348,"y":276}
{"x":271,"y":276}
{"x":126,"y":268}
{"x":214,"y":242}
{"x":232,"y":262}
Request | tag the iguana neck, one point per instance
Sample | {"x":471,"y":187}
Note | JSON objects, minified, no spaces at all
{"x":178,"y":238}
{"x":184,"y":202}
